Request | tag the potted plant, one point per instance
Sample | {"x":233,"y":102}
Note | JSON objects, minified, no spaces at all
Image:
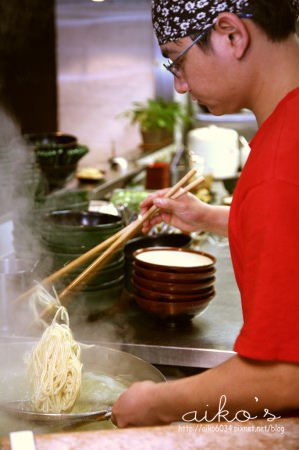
{"x":157,"y":119}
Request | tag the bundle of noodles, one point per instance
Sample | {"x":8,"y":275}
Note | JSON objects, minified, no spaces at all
{"x":54,"y":367}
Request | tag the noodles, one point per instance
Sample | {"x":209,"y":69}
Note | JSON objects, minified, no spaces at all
{"x":54,"y":367}
{"x":54,"y":370}
{"x":42,"y":298}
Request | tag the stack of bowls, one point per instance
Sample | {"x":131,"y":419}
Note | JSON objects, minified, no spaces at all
{"x":37,"y":171}
{"x":57,"y":155}
{"x":174,"y":284}
{"x":28,"y":221}
{"x":67,"y":234}
{"x":178,"y":240}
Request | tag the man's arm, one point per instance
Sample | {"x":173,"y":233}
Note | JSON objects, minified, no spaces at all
{"x":222,"y":393}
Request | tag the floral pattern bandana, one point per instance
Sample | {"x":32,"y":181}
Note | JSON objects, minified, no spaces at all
{"x":175,"y":19}
{"x":295,"y":6}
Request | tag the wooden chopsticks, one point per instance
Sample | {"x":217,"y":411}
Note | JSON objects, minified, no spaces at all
{"x":113,"y":243}
{"x":128,"y":232}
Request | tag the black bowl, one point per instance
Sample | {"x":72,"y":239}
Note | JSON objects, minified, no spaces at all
{"x":57,"y":155}
{"x":68,"y":219}
{"x":51,"y":140}
{"x":55,"y":149}
{"x":160,"y":240}
{"x":71,"y":231}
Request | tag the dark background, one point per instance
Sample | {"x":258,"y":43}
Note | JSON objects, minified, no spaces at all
{"x":28,"y":63}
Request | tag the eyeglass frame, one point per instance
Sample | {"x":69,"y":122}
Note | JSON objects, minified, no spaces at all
{"x":171,"y":65}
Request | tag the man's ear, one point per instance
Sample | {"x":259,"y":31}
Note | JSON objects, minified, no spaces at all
{"x":238,"y":36}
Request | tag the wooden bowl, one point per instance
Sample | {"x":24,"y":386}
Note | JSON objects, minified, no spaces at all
{"x":171,"y":259}
{"x":174,"y":287}
{"x":172,"y":296}
{"x":171,"y":277}
{"x":172,"y":311}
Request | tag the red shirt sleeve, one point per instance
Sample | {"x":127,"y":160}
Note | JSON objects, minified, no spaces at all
{"x":269,"y":272}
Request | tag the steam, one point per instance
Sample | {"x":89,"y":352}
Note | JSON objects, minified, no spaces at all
{"x":21,"y":184}
{"x":19,"y":179}
{"x":9,"y":153}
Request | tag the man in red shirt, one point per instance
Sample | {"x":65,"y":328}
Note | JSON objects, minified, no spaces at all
{"x":230,"y":55}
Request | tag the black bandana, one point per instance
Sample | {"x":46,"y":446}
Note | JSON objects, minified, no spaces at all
{"x":175,"y":19}
{"x":295,"y":6}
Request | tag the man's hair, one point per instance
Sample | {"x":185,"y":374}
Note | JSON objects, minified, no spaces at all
{"x":275,"y":17}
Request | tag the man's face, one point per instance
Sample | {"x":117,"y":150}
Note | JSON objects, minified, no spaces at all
{"x":209,"y":75}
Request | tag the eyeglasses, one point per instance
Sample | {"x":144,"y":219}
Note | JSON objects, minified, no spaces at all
{"x":173,"y":68}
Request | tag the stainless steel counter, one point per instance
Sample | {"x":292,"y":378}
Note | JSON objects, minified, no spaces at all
{"x":205,"y":342}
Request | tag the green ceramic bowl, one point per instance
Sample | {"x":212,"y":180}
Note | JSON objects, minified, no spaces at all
{"x":77,"y":231}
{"x":93,"y":303}
{"x":75,"y":199}
{"x":55,"y":149}
{"x":108,"y":273}
{"x":57,"y":155}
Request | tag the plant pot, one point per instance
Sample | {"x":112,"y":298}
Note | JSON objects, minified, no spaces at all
{"x":155,"y":139}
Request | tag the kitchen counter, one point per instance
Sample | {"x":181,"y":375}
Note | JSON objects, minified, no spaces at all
{"x":283,"y":434}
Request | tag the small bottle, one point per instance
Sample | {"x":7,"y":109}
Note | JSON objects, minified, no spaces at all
{"x":180,"y":164}
{"x":157,"y":176}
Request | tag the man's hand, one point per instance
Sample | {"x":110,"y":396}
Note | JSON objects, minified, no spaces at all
{"x":137,"y":406}
{"x":187,"y":213}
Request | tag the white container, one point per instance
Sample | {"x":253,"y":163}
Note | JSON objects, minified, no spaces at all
{"x":219,"y":147}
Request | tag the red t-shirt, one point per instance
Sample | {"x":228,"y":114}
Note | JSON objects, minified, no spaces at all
{"x":264,"y":238}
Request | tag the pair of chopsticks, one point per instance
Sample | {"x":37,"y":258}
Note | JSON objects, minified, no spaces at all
{"x":119,"y":239}
{"x":115,"y":242}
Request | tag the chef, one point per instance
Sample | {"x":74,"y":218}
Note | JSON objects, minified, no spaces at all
{"x":233,"y":54}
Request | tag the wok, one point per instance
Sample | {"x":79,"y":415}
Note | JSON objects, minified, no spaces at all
{"x":97,"y":359}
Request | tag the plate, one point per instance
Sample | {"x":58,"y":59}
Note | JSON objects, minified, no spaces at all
{"x":90,"y":174}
